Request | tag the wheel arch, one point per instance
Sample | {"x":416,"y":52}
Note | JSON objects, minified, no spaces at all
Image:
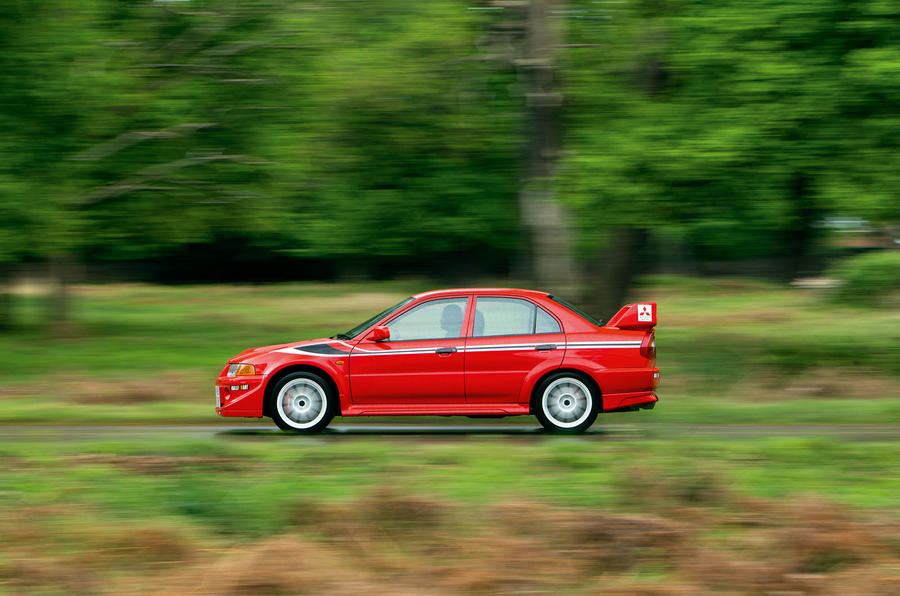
{"x":293,"y":368}
{"x":584,"y":375}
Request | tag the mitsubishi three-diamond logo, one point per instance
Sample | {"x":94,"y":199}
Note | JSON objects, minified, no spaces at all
{"x":645,"y":313}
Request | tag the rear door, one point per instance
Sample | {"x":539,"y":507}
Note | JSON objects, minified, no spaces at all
{"x":421,"y":363}
{"x":510,"y":338}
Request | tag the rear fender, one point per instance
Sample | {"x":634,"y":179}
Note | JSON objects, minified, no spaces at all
{"x":533,"y":378}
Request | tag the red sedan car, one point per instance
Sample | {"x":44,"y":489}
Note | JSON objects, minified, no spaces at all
{"x":473,"y":352}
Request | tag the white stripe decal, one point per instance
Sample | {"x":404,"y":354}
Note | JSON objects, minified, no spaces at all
{"x":417,"y":351}
{"x":402,"y":350}
{"x":582,"y":345}
{"x":606,"y":344}
{"x":511,"y":347}
{"x":299,"y":349}
{"x":618,"y":341}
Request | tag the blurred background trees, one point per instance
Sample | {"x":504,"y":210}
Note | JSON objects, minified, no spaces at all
{"x":571,"y":144}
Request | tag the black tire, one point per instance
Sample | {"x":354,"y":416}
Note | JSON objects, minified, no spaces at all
{"x":302,"y":402}
{"x":566,"y":402}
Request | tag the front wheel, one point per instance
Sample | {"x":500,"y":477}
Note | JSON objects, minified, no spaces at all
{"x":565,"y":402}
{"x":304,"y":403}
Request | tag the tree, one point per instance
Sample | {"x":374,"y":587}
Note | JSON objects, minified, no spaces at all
{"x":730,"y":127}
{"x":356,"y":135}
{"x":389,"y":135}
{"x":47,"y":92}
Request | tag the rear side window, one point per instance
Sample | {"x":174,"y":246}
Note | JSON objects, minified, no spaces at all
{"x":510,"y":316}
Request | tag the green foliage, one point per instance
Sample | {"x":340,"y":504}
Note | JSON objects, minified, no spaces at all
{"x":364,"y":131}
{"x":734,"y":124}
{"x":377,"y":130}
{"x":868,"y":279}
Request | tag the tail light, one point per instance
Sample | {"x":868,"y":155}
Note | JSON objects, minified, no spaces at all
{"x":648,"y":346}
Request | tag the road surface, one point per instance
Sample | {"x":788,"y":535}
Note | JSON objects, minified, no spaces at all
{"x":450,"y":432}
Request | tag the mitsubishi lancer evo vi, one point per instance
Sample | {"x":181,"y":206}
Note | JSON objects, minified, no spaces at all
{"x":471,"y":352}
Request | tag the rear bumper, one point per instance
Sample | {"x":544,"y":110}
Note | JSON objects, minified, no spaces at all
{"x":629,"y":402}
{"x":240,"y":396}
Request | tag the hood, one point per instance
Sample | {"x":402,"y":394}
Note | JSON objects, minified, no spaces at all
{"x":249,"y":355}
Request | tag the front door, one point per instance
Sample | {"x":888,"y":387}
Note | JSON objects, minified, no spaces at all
{"x":421,"y":363}
{"x":511,"y":338}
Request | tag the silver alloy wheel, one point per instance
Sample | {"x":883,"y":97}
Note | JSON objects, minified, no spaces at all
{"x":302,"y":403}
{"x":567,"y":402}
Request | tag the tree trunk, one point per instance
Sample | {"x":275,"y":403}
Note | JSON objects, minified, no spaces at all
{"x":614,"y":270}
{"x":800,"y":235}
{"x":545,"y":221}
{"x":61,"y":270}
{"x":6,"y":314}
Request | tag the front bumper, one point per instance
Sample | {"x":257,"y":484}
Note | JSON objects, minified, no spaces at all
{"x":240,"y":396}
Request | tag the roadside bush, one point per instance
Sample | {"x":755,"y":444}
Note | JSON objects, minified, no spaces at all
{"x":867,"y":279}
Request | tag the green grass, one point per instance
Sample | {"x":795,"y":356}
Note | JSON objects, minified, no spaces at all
{"x":129,"y":512}
{"x":145,"y":329}
{"x":248,"y":487}
{"x":119,"y":514}
{"x":731,"y":351}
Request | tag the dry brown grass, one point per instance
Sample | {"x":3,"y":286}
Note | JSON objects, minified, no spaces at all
{"x":773,"y":386}
{"x":852,"y":383}
{"x":118,"y":390}
{"x":123,"y":391}
{"x":394,"y":543}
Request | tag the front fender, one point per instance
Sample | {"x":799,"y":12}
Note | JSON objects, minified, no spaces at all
{"x":334,"y":366}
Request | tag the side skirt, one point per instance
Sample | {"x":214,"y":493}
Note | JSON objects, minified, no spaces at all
{"x":435,"y":410}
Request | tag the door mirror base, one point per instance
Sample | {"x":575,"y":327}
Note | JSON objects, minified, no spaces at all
{"x":380,"y":333}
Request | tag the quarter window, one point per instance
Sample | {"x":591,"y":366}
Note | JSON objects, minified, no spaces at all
{"x":510,"y":316}
{"x":435,"y":319}
{"x":545,"y":323}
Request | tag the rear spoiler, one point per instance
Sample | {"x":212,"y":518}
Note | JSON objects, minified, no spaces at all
{"x":635,"y":316}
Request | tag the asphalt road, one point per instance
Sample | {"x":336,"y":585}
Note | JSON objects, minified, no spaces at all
{"x":448,"y":432}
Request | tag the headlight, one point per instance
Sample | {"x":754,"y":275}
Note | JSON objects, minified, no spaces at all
{"x":241,"y":369}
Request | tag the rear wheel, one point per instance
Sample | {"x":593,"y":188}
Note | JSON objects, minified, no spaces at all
{"x":303,"y":402}
{"x":566,"y":402}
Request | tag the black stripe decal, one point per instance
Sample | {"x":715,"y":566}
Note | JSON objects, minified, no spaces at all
{"x":325,"y":349}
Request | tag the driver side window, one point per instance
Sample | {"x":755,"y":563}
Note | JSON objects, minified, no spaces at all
{"x":435,"y":319}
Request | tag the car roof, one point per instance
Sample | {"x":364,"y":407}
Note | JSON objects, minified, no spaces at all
{"x":454,"y":291}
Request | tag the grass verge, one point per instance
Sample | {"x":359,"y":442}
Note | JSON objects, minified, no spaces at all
{"x":294,"y":515}
{"x":730,"y":350}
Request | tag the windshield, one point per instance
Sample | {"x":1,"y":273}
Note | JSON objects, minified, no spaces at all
{"x":577,"y":310}
{"x":365,"y":325}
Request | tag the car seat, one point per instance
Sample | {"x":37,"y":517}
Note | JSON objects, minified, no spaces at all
{"x":478,"y":328}
{"x":451,"y":320}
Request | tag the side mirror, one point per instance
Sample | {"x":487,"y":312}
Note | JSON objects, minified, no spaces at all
{"x":381,"y":333}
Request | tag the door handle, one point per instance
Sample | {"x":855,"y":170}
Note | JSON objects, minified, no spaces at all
{"x":545,"y":347}
{"x":445,"y":350}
